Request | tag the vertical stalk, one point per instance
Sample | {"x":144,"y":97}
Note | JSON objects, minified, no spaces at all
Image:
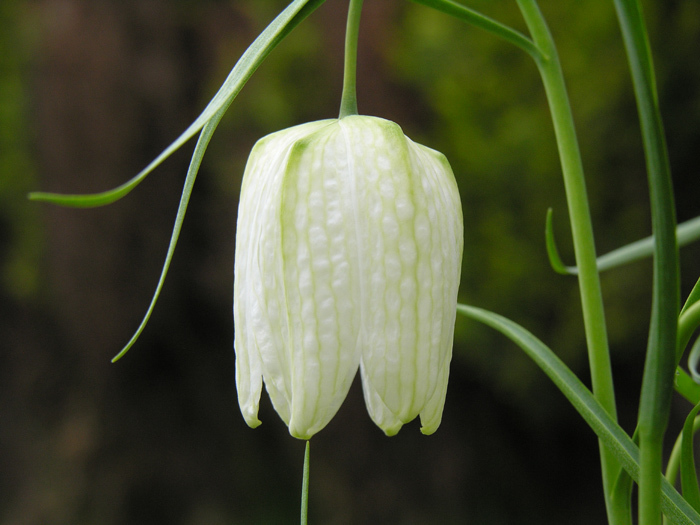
{"x":348,"y":102}
{"x":582,"y":234}
{"x":305,"y":486}
{"x":660,"y":363}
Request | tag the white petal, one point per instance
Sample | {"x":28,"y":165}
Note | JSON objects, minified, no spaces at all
{"x":321,"y":275}
{"x":431,"y":415}
{"x":259,"y":307}
{"x":378,"y":411}
{"x":412,"y":254}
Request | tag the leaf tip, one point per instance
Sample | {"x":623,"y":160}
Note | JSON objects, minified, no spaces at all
{"x":552,"y":250}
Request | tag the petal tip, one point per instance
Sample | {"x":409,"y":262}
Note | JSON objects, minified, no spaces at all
{"x":430,"y":423}
{"x":252,"y":420}
{"x":392,"y":430}
{"x":429,"y":429}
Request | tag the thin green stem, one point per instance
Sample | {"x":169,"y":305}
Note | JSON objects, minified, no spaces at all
{"x":660,"y":362}
{"x":582,"y":234}
{"x":649,"y":481}
{"x":348,"y":102}
{"x":305,"y":486}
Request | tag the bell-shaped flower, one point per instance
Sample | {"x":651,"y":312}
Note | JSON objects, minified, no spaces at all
{"x":348,"y":254}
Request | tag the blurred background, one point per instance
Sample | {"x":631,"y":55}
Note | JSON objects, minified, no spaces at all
{"x":92,"y":90}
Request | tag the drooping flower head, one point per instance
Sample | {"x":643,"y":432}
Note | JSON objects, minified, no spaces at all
{"x":348,"y":254}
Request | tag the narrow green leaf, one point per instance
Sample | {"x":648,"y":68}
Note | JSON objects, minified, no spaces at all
{"x":693,"y":359}
{"x":686,"y":387}
{"x":242,"y":71}
{"x":686,"y":233}
{"x":693,"y":296}
{"x":688,"y":322}
{"x":552,"y":250}
{"x":208,"y":121}
{"x":609,"y":432}
{"x":689,"y":479}
{"x":192,"y":171}
{"x":674,"y":461}
{"x":484,"y":22}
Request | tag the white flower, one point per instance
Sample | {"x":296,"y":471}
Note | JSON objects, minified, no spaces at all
{"x":348,"y":254}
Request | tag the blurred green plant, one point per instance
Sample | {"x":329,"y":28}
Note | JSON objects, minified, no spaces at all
{"x":20,"y":228}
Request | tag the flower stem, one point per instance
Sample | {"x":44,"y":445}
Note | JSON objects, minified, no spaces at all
{"x":348,"y":102}
{"x":582,"y":234}
{"x":305,"y":486}
{"x":660,"y":362}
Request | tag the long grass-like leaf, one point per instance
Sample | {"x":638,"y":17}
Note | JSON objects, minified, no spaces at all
{"x":609,"y":432}
{"x":484,"y":22}
{"x":674,"y":459}
{"x":688,"y":322}
{"x":192,"y":171}
{"x":552,"y":250}
{"x":206,"y":123}
{"x":686,"y":387}
{"x":689,"y":479}
{"x":693,"y":296}
{"x":693,"y":359}
{"x":686,"y":233}
{"x":242,"y":71}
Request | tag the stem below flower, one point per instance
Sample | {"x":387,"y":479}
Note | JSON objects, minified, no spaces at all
{"x":305,"y":487}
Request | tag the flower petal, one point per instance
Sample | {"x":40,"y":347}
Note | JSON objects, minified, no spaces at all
{"x":259,"y":306}
{"x":431,"y":415}
{"x":378,"y":411}
{"x":412,"y":252}
{"x":322,"y":278}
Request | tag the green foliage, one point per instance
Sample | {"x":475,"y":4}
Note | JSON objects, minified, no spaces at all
{"x":20,"y":230}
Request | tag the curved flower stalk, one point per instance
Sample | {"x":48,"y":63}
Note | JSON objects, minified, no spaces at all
{"x":348,"y":255}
